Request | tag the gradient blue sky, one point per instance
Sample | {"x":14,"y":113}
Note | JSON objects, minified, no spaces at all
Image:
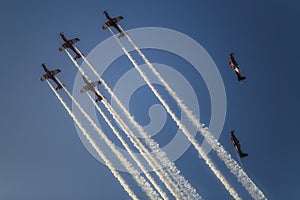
{"x":41,"y":154}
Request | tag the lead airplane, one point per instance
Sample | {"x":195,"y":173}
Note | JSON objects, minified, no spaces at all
{"x":237,"y":145}
{"x":113,"y":22}
{"x":91,"y":86}
{"x":234,"y":65}
{"x":69,"y":44}
{"x":51,"y":75}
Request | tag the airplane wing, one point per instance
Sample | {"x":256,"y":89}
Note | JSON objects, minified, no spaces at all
{"x":63,"y":47}
{"x":44,"y":77}
{"x":84,"y":89}
{"x":106,"y":25}
{"x":73,"y":41}
{"x":54,"y":72}
{"x":117,"y":19}
{"x":94,"y":84}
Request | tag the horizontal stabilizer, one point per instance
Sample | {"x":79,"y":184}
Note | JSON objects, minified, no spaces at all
{"x":121,"y":35}
{"x":241,"y":78}
{"x":98,"y":99}
{"x":244,"y":155}
{"x":77,"y":56}
{"x":58,"y":87}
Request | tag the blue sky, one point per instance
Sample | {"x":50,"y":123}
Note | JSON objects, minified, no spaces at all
{"x":42,"y":156}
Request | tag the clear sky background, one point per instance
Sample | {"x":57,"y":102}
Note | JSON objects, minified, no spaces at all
{"x":41,"y":155}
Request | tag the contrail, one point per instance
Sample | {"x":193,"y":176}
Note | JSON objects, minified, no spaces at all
{"x":151,"y":161}
{"x":141,"y":181}
{"x":190,"y":137}
{"x":128,"y":149}
{"x":248,"y":184}
{"x":92,"y":142}
{"x":169,"y":166}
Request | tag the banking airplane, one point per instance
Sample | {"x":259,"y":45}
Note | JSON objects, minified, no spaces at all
{"x":234,"y":65}
{"x":51,"y":75}
{"x":91,"y":86}
{"x":237,"y":145}
{"x":69,"y":44}
{"x":114,"y":23}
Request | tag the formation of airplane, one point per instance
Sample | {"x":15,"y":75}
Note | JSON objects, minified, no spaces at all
{"x":91,"y":86}
{"x":51,"y":75}
{"x":69,"y":44}
{"x":113,"y":22}
{"x":237,"y":145}
{"x":234,"y":65}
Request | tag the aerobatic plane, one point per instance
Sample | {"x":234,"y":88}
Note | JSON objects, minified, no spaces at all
{"x":113,"y":22}
{"x":51,"y":75}
{"x":69,"y":44}
{"x":234,"y":65}
{"x":237,"y":145}
{"x":91,"y":86}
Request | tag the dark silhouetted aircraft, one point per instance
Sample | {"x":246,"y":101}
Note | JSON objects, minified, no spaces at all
{"x":237,"y":145}
{"x":91,"y":86}
{"x":51,"y":75}
{"x":234,"y":65}
{"x":114,"y":23}
{"x":69,"y":44}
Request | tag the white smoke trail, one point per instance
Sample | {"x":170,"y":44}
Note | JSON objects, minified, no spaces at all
{"x":190,"y":137}
{"x":151,"y":161}
{"x":163,"y":176}
{"x":128,"y":149}
{"x":170,"y":167}
{"x":141,"y":181}
{"x":92,"y":142}
{"x":248,"y":184}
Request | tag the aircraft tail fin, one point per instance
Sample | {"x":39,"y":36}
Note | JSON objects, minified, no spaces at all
{"x":244,"y":155}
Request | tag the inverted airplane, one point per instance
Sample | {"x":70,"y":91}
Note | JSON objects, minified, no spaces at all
{"x":114,"y":23}
{"x":234,"y":65}
{"x":69,"y":44}
{"x":237,"y":145}
{"x":51,"y":75}
{"x":91,"y":86}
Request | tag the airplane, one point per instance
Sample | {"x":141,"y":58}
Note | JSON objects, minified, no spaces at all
{"x":114,"y":23}
{"x":69,"y":44}
{"x":51,"y":75}
{"x":91,"y":86}
{"x":237,"y":145}
{"x":234,"y":65}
